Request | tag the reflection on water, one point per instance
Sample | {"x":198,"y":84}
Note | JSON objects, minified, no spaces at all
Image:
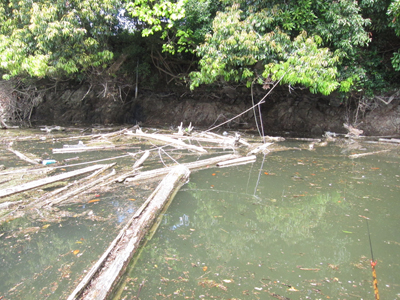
{"x":290,"y":227}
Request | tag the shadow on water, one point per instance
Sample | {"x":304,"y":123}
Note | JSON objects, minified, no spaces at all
{"x":291,"y":227}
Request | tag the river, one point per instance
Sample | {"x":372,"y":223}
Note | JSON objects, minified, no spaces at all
{"x":292,"y":225}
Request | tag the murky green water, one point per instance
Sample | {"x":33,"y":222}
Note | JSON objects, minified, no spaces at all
{"x":289,"y":226}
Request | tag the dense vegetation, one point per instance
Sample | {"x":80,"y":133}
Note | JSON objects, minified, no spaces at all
{"x":323,"y":45}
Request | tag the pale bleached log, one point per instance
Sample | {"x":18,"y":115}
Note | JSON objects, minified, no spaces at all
{"x":168,"y":140}
{"x":99,"y":281}
{"x":7,"y":205}
{"x":268,"y":138}
{"x":23,"y":156}
{"x":394,"y":141}
{"x":81,"y":149}
{"x":366,"y":154}
{"x":260,"y":148}
{"x":111,"y":134}
{"x":37,"y":183}
{"x":193,"y":165}
{"x":84,"y":187}
{"x":141,"y":160}
{"x":237,"y":161}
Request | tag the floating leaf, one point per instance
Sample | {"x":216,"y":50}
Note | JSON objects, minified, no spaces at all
{"x":76,"y":252}
{"x":345,"y":231}
{"x":205,"y":268}
{"x":45,"y":226}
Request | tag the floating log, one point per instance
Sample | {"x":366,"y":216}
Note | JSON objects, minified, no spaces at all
{"x":260,"y":148}
{"x":111,"y":134}
{"x":273,"y":138}
{"x":37,"y":183}
{"x":193,"y":165}
{"x":99,"y":281}
{"x":168,"y":140}
{"x":237,"y":161}
{"x":23,"y":157}
{"x":366,"y":154}
{"x":141,"y":160}
{"x":394,"y":141}
{"x":81,"y":149}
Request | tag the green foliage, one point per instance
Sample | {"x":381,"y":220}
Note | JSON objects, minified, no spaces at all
{"x":394,"y":12}
{"x":55,"y":38}
{"x":237,"y":44}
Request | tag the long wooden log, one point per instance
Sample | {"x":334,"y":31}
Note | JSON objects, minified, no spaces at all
{"x":37,"y":183}
{"x":366,"y":154}
{"x":168,"y":140}
{"x":237,"y":161}
{"x":193,"y":165}
{"x":99,"y":281}
{"x":260,"y":148}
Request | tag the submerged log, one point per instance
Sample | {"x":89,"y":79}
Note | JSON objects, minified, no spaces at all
{"x":23,"y":156}
{"x":99,"y":281}
{"x":83,"y":186}
{"x":40,"y":182}
{"x":193,"y":165}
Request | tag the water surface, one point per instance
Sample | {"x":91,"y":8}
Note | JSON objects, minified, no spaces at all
{"x":290,"y":226}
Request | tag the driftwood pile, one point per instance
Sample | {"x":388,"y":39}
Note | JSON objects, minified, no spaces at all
{"x":220,"y":151}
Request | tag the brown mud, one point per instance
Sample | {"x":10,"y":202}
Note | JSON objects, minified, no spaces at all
{"x":294,"y":111}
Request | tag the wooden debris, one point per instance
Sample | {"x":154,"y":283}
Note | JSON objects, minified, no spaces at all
{"x":49,"y":129}
{"x":111,"y":134}
{"x":366,"y":154}
{"x":45,"y":181}
{"x":273,"y":138}
{"x":260,"y":148}
{"x":82,"y":149}
{"x":193,"y":165}
{"x":237,"y":161}
{"x":99,"y":281}
{"x":392,"y":141}
{"x":168,"y":140}
{"x":7,"y":205}
{"x":23,"y":156}
{"x":136,"y":167}
{"x":352,"y":131}
{"x":84,"y":186}
{"x":141,"y":160}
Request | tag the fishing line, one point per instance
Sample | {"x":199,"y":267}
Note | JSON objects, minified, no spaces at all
{"x":370,"y":244}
